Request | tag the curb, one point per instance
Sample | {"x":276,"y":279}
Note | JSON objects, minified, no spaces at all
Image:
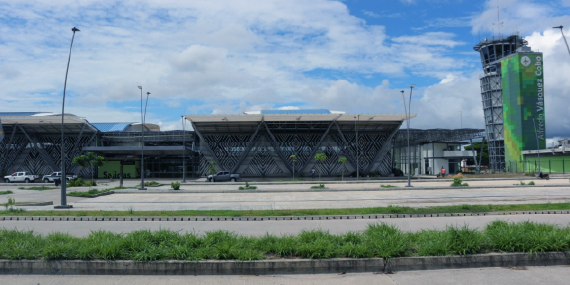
{"x":92,"y":196}
{"x":308,"y":190}
{"x":269,"y":218}
{"x":281,"y":266}
{"x":37,"y":204}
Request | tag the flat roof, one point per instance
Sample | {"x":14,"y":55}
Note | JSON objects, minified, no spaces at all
{"x":296,"y":117}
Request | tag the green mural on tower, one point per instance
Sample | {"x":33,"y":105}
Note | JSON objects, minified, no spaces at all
{"x":523,"y":104}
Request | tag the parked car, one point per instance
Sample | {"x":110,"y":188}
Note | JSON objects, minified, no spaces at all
{"x":397,"y":171}
{"x":224,"y":176}
{"x":20,"y":177}
{"x":57,"y":175}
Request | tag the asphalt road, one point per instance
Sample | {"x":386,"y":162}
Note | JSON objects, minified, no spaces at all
{"x":553,"y":275}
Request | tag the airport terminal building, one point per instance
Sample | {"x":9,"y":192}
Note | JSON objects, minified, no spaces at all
{"x":268,"y":143}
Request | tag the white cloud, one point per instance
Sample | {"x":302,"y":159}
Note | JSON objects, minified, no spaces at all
{"x":227,"y":57}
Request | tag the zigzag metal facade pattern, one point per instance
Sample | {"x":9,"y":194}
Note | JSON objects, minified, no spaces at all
{"x":38,"y":150}
{"x":263,"y":148}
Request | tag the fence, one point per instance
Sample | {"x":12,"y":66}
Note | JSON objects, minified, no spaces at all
{"x":532,"y":165}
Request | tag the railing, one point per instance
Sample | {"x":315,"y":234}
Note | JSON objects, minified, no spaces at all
{"x":546,"y":166}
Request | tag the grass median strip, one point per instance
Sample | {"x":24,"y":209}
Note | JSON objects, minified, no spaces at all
{"x":38,"y":188}
{"x":378,"y":240}
{"x":465,"y":208}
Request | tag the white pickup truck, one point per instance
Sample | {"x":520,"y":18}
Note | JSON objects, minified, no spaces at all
{"x":20,"y":177}
{"x":57,"y":175}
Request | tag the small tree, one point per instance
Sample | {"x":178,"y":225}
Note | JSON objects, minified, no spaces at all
{"x":88,"y":160}
{"x":320,"y":157}
{"x":212,"y":167}
{"x":293,"y":161}
{"x":342,"y":160}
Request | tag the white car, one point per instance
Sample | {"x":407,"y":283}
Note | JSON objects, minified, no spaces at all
{"x":57,"y":175}
{"x":20,"y":177}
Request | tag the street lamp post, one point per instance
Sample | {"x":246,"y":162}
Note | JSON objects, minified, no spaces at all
{"x":63,"y":174}
{"x":537,"y":145}
{"x":356,"y":119}
{"x":564,"y":37}
{"x":184,"y":149}
{"x":407,"y":110}
{"x":143,"y":118}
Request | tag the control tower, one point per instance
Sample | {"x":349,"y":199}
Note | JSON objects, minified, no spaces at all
{"x":511,"y":88}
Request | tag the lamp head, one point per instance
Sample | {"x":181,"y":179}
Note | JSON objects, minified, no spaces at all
{"x":74,"y":29}
{"x":559,"y":27}
{"x":402,"y":91}
{"x":147,"y":93}
{"x":413,"y":85}
{"x":140,"y":87}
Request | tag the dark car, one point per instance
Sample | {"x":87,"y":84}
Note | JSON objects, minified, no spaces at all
{"x":397,"y":171}
{"x":224,"y":176}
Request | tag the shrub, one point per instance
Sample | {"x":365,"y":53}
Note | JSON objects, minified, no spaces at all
{"x":76,"y":183}
{"x":531,"y":183}
{"x":247,"y":187}
{"x":457,"y":182}
{"x":175,"y":185}
{"x":321,"y":186}
{"x":90,"y":183}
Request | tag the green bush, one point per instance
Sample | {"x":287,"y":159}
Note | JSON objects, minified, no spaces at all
{"x":175,"y":185}
{"x":247,"y":187}
{"x":531,"y":183}
{"x":6,"y":192}
{"x":76,"y":183}
{"x":321,"y":186}
{"x":457,"y":182}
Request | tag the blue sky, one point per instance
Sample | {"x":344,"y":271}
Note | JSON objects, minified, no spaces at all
{"x":204,"y":57}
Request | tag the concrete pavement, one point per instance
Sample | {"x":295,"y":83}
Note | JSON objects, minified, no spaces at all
{"x":225,"y":196}
{"x":553,"y":275}
{"x":83,"y":228}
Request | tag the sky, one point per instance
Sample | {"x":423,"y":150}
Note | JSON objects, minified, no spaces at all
{"x":228,"y":57}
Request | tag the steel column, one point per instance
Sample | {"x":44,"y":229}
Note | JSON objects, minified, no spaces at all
{"x":317,"y":146}
{"x":277,"y":149}
{"x":250,"y":144}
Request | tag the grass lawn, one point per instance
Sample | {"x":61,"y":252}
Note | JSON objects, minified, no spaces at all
{"x":465,"y":208}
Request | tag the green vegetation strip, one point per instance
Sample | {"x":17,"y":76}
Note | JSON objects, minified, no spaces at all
{"x":38,"y":188}
{"x":378,"y":240}
{"x":305,"y":212}
{"x":6,"y":192}
{"x":93,"y":192}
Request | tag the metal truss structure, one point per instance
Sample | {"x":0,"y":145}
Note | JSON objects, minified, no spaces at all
{"x":34,"y":145}
{"x":264,"y":147}
{"x":492,"y":52}
{"x":418,"y":136}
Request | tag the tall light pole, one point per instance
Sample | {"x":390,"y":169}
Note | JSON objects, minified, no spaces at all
{"x":561,"y":31}
{"x":356,"y":119}
{"x":537,"y":145}
{"x":63,"y":174}
{"x":184,"y":149}
{"x":408,"y":115}
{"x":143,"y":118}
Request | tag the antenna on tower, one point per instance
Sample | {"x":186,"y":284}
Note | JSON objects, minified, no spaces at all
{"x":499,"y":23}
